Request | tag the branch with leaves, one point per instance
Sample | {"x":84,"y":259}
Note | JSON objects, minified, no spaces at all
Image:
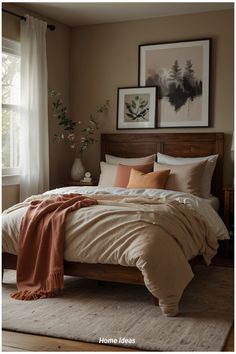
{"x":77,"y":141}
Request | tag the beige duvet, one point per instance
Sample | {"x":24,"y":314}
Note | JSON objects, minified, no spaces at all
{"x":158,"y":236}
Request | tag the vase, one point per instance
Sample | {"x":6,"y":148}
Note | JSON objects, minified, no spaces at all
{"x":77,"y":170}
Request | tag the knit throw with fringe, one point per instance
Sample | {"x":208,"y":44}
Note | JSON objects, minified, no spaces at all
{"x":40,"y":261}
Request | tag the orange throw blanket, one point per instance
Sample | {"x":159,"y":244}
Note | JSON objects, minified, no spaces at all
{"x":40,"y":261}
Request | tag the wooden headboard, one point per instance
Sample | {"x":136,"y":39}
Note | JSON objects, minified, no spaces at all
{"x":174,"y":144}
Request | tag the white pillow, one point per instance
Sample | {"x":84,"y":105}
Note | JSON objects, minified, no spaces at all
{"x":207,"y":174}
{"x":108,"y":175}
{"x":114,"y":160}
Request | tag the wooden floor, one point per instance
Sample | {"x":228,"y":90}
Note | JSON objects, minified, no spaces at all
{"x":21,"y":342}
{"x":14,"y":341}
{"x":18,"y":342}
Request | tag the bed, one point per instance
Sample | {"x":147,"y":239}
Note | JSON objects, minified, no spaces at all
{"x":134,"y":146}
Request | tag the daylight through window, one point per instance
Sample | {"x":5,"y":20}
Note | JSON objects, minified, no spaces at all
{"x":10,"y":107}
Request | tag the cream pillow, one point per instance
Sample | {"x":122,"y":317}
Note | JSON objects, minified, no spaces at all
{"x":115,"y":160}
{"x":108,"y":175}
{"x":184,"y":178}
{"x":207,"y":174}
{"x":155,"y":180}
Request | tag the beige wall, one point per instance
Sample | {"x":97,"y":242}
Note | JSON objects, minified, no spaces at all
{"x":58,"y":55}
{"x":105,"y":57}
{"x":87,"y":64}
{"x":10,"y":196}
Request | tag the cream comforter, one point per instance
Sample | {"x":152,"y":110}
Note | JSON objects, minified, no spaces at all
{"x":154,"y":232}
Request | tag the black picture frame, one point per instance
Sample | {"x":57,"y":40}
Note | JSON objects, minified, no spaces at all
{"x":136,"y":107}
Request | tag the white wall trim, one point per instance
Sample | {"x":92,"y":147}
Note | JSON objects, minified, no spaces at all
{"x":8,"y":180}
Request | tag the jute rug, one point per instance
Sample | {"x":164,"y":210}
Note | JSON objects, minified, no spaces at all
{"x":125,"y":315}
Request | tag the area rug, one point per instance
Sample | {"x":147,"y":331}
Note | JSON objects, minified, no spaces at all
{"x":125,"y":315}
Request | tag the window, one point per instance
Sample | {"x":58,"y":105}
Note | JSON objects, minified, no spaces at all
{"x":10,"y":107}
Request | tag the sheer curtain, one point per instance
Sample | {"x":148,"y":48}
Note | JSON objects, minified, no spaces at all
{"x":34,"y":152}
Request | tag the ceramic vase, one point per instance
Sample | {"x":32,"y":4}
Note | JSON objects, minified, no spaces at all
{"x":77,"y":170}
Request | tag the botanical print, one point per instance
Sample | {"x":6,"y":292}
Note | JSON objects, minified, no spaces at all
{"x":136,"y":108}
{"x":180,"y":70}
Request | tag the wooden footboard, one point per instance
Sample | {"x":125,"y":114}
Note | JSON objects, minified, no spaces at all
{"x":8,"y":261}
{"x":107,"y":272}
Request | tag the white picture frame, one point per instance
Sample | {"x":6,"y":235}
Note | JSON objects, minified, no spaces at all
{"x":181,"y":71}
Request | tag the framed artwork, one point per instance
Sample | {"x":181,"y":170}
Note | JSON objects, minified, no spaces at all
{"x":136,"y":107}
{"x":180,"y":70}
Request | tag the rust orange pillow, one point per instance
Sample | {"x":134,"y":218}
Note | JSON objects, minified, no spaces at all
{"x":139,"y":179}
{"x":123,"y":173}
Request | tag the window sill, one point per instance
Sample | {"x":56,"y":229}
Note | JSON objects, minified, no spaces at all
{"x":10,"y":180}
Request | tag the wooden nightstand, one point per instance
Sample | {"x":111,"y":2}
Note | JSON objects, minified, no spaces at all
{"x":79,"y":184}
{"x":229,"y":218}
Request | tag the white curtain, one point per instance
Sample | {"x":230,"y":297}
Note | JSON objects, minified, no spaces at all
{"x":34,"y":152}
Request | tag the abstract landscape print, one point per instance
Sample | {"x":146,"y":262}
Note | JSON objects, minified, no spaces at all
{"x":180,"y":70}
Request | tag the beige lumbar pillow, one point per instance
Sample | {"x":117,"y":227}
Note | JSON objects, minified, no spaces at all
{"x":155,"y":180}
{"x":184,"y":178}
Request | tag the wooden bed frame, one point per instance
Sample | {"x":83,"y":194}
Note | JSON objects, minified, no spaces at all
{"x":138,"y":145}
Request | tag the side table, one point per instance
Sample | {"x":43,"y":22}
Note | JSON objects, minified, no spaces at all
{"x":229,"y":218}
{"x":79,"y":184}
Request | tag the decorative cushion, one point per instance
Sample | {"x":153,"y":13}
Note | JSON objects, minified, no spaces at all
{"x":139,"y":179}
{"x":115,"y":160}
{"x":108,"y":175}
{"x":207,"y":174}
{"x":123,"y":173}
{"x":184,"y":178}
